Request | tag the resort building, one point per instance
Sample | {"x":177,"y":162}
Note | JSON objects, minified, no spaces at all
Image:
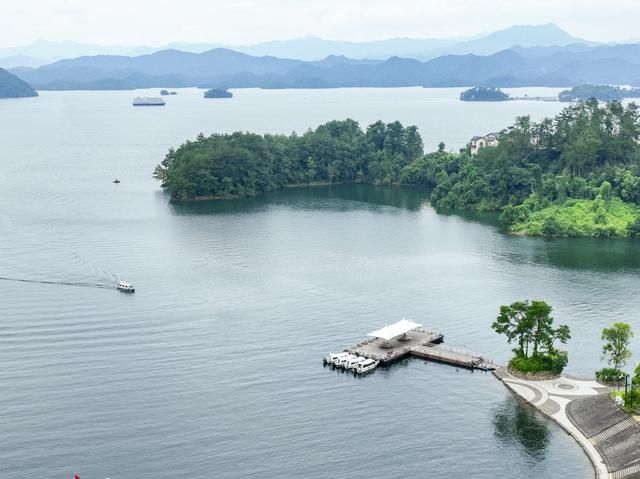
{"x":477,"y":142}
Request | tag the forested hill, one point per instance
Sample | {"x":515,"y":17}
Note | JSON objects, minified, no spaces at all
{"x":244,"y":164}
{"x":577,"y":174}
{"x":13,"y":87}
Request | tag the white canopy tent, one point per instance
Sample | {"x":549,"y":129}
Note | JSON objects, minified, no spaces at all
{"x":396,"y":329}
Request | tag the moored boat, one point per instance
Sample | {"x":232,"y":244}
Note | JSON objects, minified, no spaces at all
{"x":333,"y":357}
{"x":366,"y":366}
{"x":353,"y":363}
{"x":341,"y":362}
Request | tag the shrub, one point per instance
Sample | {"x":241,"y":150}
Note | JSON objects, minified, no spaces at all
{"x":554,"y":363}
{"x":609,"y":375}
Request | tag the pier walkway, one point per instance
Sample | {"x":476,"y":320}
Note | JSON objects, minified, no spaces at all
{"x":421,"y":343}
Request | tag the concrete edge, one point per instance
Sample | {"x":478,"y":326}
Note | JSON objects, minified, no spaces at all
{"x":578,"y":439}
{"x":604,"y":459}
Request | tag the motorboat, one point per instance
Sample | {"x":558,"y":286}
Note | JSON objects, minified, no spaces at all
{"x":126,"y":287}
{"x":353,"y":363}
{"x":116,"y":181}
{"x":366,"y":366}
{"x":333,"y":357}
{"x":341,"y":362}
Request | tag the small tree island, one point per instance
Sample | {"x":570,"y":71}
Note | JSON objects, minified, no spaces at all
{"x":217,"y":93}
{"x":529,"y":325}
{"x":481,"y":93}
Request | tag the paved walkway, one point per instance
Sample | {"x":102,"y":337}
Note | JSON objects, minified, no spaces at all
{"x":614,"y":433}
{"x":552,"y":397}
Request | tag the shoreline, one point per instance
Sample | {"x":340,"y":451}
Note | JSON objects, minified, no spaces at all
{"x":522,"y":389}
{"x":315,"y":184}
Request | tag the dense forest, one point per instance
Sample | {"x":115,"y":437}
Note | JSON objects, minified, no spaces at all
{"x":484,"y":94}
{"x":243,"y":164}
{"x":577,"y":174}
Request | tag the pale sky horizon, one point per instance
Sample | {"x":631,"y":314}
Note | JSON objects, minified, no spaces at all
{"x":239,"y":22}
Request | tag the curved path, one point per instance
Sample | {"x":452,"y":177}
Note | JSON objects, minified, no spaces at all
{"x":551,"y":397}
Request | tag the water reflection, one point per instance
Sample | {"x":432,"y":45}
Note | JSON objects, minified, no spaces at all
{"x":571,"y":253}
{"x":594,"y":254}
{"x":516,"y":422}
{"x":337,"y":198}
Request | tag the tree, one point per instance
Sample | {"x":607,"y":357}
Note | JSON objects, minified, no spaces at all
{"x":530,"y":325}
{"x":515,"y":325}
{"x":616,"y":341}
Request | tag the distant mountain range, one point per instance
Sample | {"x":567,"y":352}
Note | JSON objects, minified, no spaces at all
{"x":310,"y":48}
{"x":570,"y":65}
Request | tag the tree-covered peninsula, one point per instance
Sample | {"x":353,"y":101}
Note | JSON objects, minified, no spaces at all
{"x":480,"y":93}
{"x":244,"y":164}
{"x":577,"y":174}
{"x":13,"y":87}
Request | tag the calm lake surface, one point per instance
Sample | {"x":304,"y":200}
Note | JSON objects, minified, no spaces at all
{"x":213,"y":368}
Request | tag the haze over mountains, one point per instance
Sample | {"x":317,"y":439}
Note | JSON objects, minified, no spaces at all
{"x":309,"y":48}
{"x":541,"y":55}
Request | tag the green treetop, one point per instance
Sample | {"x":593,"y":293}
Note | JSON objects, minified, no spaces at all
{"x":616,"y":341}
{"x":529,"y":325}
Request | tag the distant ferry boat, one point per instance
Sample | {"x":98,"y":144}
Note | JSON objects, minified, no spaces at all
{"x":146,"y":101}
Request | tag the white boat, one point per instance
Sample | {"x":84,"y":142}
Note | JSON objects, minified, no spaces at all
{"x":126,"y":287}
{"x":333,"y":357}
{"x":148,"y":101}
{"x":353,"y":363}
{"x":366,"y":366}
{"x":341,"y":362}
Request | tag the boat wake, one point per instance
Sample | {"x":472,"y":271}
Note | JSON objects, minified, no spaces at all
{"x":62,"y":283}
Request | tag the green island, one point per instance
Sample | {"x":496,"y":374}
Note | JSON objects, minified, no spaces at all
{"x":599,"y":92}
{"x":13,"y":87}
{"x":480,"y":93}
{"x":217,"y":93}
{"x":577,"y":174}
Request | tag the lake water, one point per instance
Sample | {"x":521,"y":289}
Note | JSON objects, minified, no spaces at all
{"x":213,"y":368}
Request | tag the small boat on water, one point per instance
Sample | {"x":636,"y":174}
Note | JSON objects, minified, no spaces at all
{"x":353,"y":363}
{"x":116,"y":181}
{"x":341,"y":363}
{"x":366,"y":366}
{"x":148,"y":101}
{"x":333,"y":357}
{"x":126,"y":287}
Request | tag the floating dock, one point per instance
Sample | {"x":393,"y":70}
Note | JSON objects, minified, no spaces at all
{"x":406,"y":338}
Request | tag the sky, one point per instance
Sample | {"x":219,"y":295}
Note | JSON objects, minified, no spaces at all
{"x":241,"y":22}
